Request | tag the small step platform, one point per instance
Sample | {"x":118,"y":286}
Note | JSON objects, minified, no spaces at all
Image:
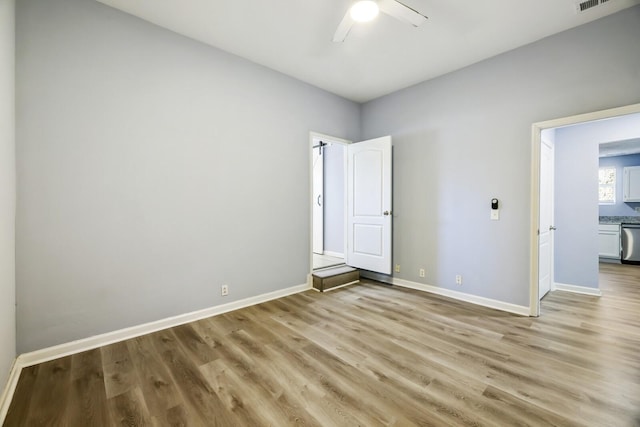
{"x":333,"y":277}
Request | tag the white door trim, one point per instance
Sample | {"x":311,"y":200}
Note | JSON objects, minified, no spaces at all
{"x":317,"y":210}
{"x":326,"y":138}
{"x":536,"y":129}
{"x":550,"y":206}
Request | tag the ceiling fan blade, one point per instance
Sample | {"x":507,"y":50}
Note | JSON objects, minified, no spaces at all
{"x":402,"y":12}
{"x":343,"y":28}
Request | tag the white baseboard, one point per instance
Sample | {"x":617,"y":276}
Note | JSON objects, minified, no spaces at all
{"x":577,"y":289}
{"x":50,"y":353}
{"x":461,"y":296}
{"x":66,"y":349}
{"x":9,"y":389}
{"x":334,"y":254}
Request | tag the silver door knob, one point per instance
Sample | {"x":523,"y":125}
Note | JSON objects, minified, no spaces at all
{"x":552,"y":228}
{"x":386,"y":213}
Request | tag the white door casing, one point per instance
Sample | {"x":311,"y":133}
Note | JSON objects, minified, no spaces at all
{"x":369,"y":186}
{"x":534,"y":226}
{"x":318,"y":198}
{"x":545,"y":227}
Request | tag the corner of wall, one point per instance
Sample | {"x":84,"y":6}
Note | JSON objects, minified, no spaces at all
{"x":361,"y":135}
{"x":7,"y":190}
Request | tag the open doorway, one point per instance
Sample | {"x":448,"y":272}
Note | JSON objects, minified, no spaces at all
{"x":328,"y":200}
{"x":577,"y":130}
{"x":354,"y":203}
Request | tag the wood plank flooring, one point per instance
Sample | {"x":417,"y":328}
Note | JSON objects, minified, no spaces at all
{"x":368,"y":355}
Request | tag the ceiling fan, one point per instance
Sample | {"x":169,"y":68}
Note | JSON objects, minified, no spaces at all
{"x":366,"y":10}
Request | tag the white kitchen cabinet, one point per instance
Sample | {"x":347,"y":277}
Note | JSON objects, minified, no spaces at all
{"x":631,"y":184}
{"x":609,"y":241}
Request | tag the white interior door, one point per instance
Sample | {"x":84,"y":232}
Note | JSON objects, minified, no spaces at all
{"x":318,"y":198}
{"x":369,"y":205}
{"x":545,"y":239}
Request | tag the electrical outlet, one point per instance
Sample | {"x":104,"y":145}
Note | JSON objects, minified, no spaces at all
{"x":224,"y":290}
{"x":397,"y":268}
{"x":421,"y":272}
{"x":458,"y":279}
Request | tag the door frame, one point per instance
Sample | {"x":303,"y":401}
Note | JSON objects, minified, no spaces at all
{"x":317,"y":206}
{"x":536,"y":140}
{"x":551,"y":265}
{"x":334,"y":140}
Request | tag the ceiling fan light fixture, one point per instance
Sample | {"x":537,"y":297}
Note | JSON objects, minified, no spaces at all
{"x":364,"y":10}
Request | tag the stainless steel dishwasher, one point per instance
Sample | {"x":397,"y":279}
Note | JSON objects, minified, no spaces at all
{"x":630,"y":243}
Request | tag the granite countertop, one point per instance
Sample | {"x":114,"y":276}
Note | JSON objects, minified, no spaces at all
{"x":620,"y":219}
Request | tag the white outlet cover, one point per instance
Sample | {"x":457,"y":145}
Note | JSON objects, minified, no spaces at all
{"x":495,"y":214}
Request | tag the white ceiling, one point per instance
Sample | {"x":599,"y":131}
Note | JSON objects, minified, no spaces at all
{"x":377,"y":58}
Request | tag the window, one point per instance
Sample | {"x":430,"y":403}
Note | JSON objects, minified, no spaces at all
{"x":607,"y":186}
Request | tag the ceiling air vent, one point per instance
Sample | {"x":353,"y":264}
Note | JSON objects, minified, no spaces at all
{"x":588,"y":4}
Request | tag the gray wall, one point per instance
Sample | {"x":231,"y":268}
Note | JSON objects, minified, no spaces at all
{"x":576,"y":195}
{"x":463,"y":138}
{"x":7,"y":191}
{"x":151,"y":170}
{"x":334,"y":185}
{"x":576,"y":206}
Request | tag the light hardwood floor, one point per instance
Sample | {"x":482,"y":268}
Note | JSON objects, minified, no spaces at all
{"x":365,"y":355}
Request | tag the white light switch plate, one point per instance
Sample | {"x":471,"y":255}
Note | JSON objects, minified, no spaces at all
{"x":495,"y":214}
